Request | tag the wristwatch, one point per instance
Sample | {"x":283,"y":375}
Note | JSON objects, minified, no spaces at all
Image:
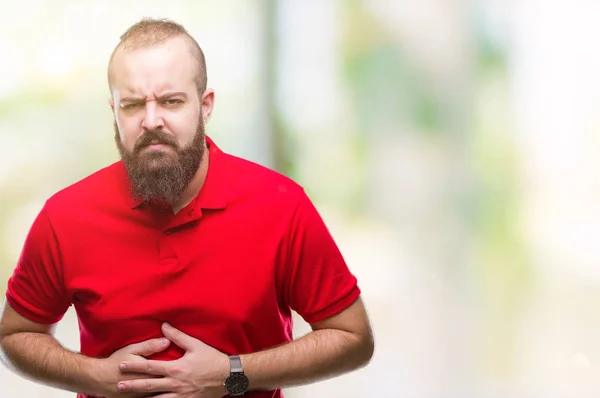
{"x":237,"y":382}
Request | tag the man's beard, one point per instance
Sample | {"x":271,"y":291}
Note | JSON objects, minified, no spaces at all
{"x":161,"y":175}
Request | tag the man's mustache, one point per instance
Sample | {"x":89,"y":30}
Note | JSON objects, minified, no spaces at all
{"x":154,"y":137}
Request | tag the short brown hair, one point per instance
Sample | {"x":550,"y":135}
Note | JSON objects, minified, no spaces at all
{"x":149,"y":32}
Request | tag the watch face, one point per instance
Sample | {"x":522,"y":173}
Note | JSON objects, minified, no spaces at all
{"x":236,"y":383}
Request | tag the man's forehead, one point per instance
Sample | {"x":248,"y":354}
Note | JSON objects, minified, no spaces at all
{"x":152,"y":89}
{"x":156,"y":91}
{"x":164,"y":64}
{"x":174,"y":45}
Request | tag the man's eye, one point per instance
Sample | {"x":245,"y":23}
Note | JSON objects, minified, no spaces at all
{"x":172,"y":101}
{"x":132,"y":106}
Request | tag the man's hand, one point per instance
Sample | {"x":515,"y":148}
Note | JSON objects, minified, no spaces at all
{"x":200,"y":373}
{"x":111,"y":374}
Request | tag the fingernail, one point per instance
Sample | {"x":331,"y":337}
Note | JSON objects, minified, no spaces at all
{"x":121,"y":386}
{"x":167,"y":325}
{"x":122,"y":366}
{"x":164,"y":341}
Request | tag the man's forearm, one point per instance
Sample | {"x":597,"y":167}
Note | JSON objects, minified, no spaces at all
{"x":41,"y":357}
{"x":319,"y":355}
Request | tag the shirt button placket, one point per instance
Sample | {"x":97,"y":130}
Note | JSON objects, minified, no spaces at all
{"x":167,"y":255}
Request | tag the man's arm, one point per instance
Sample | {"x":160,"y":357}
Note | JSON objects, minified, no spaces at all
{"x":29,"y":349}
{"x":336,"y":345}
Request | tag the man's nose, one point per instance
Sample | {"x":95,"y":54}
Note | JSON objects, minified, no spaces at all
{"x":152,"y":119}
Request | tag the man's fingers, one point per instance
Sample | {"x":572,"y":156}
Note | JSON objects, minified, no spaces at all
{"x":157,"y":368}
{"x":181,"y":339}
{"x":166,"y":385}
{"x":149,"y":347}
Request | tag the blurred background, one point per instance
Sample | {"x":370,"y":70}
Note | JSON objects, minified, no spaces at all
{"x":450,"y":145}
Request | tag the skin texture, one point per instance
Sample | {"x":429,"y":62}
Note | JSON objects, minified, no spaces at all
{"x":159,"y":82}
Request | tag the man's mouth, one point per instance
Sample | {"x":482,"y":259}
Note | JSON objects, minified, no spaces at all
{"x":155,"y":144}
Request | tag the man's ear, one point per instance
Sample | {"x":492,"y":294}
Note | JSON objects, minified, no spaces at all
{"x":112,"y":104}
{"x":208,"y":103}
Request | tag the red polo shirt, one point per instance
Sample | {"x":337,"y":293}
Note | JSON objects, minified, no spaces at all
{"x":227,"y":269}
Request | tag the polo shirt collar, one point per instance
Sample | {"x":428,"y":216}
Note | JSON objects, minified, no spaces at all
{"x":213,"y":194}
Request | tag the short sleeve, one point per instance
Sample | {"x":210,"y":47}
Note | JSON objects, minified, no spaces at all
{"x":320,"y":284}
{"x":36,"y":288}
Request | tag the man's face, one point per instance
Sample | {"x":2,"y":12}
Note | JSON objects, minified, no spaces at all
{"x":159,"y":123}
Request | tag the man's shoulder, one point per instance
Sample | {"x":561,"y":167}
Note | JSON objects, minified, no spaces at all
{"x":102,"y":183}
{"x":247,"y":177}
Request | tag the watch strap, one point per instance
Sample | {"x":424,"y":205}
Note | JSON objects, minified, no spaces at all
{"x":235,"y":364}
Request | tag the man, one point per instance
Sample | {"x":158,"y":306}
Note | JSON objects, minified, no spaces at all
{"x":183,"y":263}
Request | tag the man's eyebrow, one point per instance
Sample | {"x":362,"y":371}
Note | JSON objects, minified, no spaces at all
{"x":163,"y":96}
{"x":175,"y":94}
{"x":132,"y":99}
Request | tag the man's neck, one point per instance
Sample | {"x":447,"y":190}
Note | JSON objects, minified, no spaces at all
{"x":193,"y":188}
